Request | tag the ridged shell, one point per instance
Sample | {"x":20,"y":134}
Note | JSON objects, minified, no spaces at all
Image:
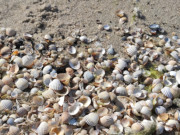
{"x":74,"y":63}
{"x":160,"y":110}
{"x":21,"y":111}
{"x":38,"y":100}
{"x":136,"y":127}
{"x":28,"y":60}
{"x":121,"y":91}
{"x":92,"y":119}
{"x":47,"y":69}
{"x":132,"y":50}
{"x":88,"y":76}
{"x":75,"y":108}
{"x":43,"y":128}
{"x":121,"y":64}
{"x":55,"y":85}
{"x":6,"y":104}
{"x":21,"y":83}
{"x":167,"y":92}
{"x":157,"y":88}
{"x":146,"y":111}
{"x":106,"y":121}
{"x":48,"y":93}
{"x":13,"y":130}
{"x":85,"y":100}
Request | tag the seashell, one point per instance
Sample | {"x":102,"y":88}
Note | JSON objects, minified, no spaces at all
{"x":167,"y":92}
{"x":84,"y":39}
{"x":88,"y":76}
{"x":70,"y":40}
{"x":132,"y":50}
{"x":106,"y":86}
{"x":138,"y":106}
{"x":136,"y":127}
{"x":74,"y":63}
{"x":64,"y":78}
{"x":75,"y":108}
{"x":5,"y":50}
{"x":99,"y":73}
{"x":13,"y":130}
{"x":102,"y":111}
{"x":55,"y":85}
{"x":145,"y":111}
{"x":6,"y":105}
{"x":92,"y":119}
{"x":149,"y":104}
{"x":48,"y":37}
{"x":85,"y":100}
{"x":2,"y":62}
{"x":48,"y":94}
{"x":38,"y":100}
{"x":163,"y":117}
{"x":69,"y":71}
{"x":122,"y":20}
{"x":115,"y":129}
{"x":120,"y":13}
{"x":121,"y":64}
{"x":43,"y":128}
{"x":110,"y":50}
{"x":121,"y":91}
{"x":159,"y":128}
{"x":169,"y":67}
{"x":157,"y":88}
{"x":107,"y":27}
{"x":39,"y":47}
{"x":47,"y":69}
{"x":21,"y":111}
{"x":21,"y":84}
{"x":7,"y":80}
{"x":14,"y":69}
{"x":27,"y":36}
{"x":10,"y":121}
{"x":71,"y":50}
{"x":104,"y":96}
{"x":34,"y":73}
{"x":18,"y":61}
{"x":173,"y":124}
{"x":106,"y":121}
{"x":149,"y":44}
{"x":177,"y":115}
{"x":137,"y":74}
{"x":139,"y":41}
{"x":65,"y":117}
{"x":55,"y":131}
{"x":127,"y":122}
{"x":47,"y":79}
{"x":128,"y":79}
{"x":178,"y":77}
{"x":174,"y":54}
{"x":10,"y":32}
{"x":28,"y":61}
{"x":160,"y":110}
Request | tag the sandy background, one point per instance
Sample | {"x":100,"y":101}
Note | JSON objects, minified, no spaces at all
{"x":61,"y":17}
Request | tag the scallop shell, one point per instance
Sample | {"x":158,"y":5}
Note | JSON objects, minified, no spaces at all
{"x":146,"y":111}
{"x":71,"y":50}
{"x":6,"y":105}
{"x":92,"y":119}
{"x":121,"y":91}
{"x":160,"y":110}
{"x":47,"y":69}
{"x":136,"y":127}
{"x":55,"y":85}
{"x":48,"y":94}
{"x":88,"y":76}
{"x":85,"y":100}
{"x":64,"y":78}
{"x":106,"y":121}
{"x":132,"y":50}
{"x":47,"y":79}
{"x":167,"y":92}
{"x":21,"y":84}
{"x":75,"y":108}
{"x":178,"y":77}
{"x":21,"y":111}
{"x":38,"y":100}
{"x":13,"y":130}
{"x":43,"y":128}
{"x":74,"y":63}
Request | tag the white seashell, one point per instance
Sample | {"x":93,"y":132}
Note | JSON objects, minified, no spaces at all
{"x":178,"y":77}
{"x":71,"y":50}
{"x":121,"y":64}
{"x":88,"y":76}
{"x":43,"y":128}
{"x":136,"y":127}
{"x":104,"y":95}
{"x":48,"y":94}
{"x":74,"y":63}
{"x":2,"y":61}
{"x":55,"y":85}
{"x":121,"y":91}
{"x":75,"y":108}
{"x":138,"y":106}
{"x":7,"y":80}
{"x":85,"y":100}
{"x":19,"y":120}
{"x":99,"y":72}
{"x":167,"y":92}
{"x":27,"y":36}
{"x":27,"y":61}
{"x":47,"y":69}
{"x":107,"y":27}
{"x":6,"y":104}
{"x":92,"y":119}
{"x":161,"y":68}
{"x":34,"y":73}
{"x":159,"y":128}
{"x":173,"y":124}
{"x":157,"y":88}
{"x":47,"y":79}
{"x":146,"y":111}
{"x":149,"y":104}
{"x":102,"y":111}
{"x":21,"y":84}
{"x":137,"y":74}
{"x":132,"y":50}
{"x":160,"y":110}
{"x":106,"y":121}
{"x":84,"y":39}
{"x":110,"y":50}
{"x":174,"y":54}
{"x":128,"y":79}
{"x":13,"y":130}
{"x":48,"y":37}
{"x":169,"y":67}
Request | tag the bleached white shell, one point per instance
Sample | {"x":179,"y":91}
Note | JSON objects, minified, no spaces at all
{"x":6,"y":104}
{"x":159,"y":128}
{"x":157,"y":88}
{"x":99,"y":72}
{"x":178,"y":77}
{"x":21,"y":84}
{"x":173,"y":124}
{"x":160,"y":110}
{"x":106,"y":121}
{"x":47,"y":79}
{"x":92,"y":119}
{"x":121,"y":64}
{"x":85,"y":100}
{"x":38,"y":100}
{"x":71,"y":50}
{"x":2,"y":61}
{"x":47,"y":69}
{"x":121,"y":91}
{"x":43,"y":128}
{"x":48,"y":37}
{"x":48,"y":94}
{"x":84,"y":39}
{"x":88,"y":76}
{"x":27,"y":60}
{"x":74,"y":63}
{"x":13,"y":130}
{"x":146,"y":111}
{"x":132,"y":50}
{"x":55,"y":85}
{"x":128,"y":79}
{"x":174,"y":54}
{"x":167,"y":92}
{"x":75,"y":108}
{"x":136,"y":127}
{"x":18,"y":61}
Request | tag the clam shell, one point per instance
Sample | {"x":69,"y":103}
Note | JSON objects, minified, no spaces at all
{"x":38,"y":100}
{"x":104,"y":96}
{"x":99,"y":73}
{"x":70,"y":40}
{"x":121,"y":91}
{"x":55,"y":85}
{"x":177,"y":115}
{"x":102,"y":111}
{"x":21,"y":111}
{"x":121,"y":64}
{"x":14,"y":69}
{"x":65,"y":117}
{"x":167,"y":92}
{"x":174,"y":54}
{"x":178,"y":77}
{"x":5,"y":50}
{"x":10,"y":32}
{"x":88,"y":76}
{"x":127,"y":122}
{"x":173,"y":124}
{"x":18,"y":61}
{"x":146,"y":111}
{"x":27,"y":61}
{"x":75,"y":108}
{"x":83,"y":39}
{"x":163,"y":117}
{"x":85,"y":100}
{"x":157,"y":88}
{"x":92,"y":119}
{"x":71,"y":50}
{"x":6,"y":105}
{"x":136,"y":127}
{"x":48,"y":94}
{"x":2,"y":61}
{"x":159,"y":128}
{"x":74,"y":63}
{"x":128,"y":79}
{"x":64,"y":78}
{"x":48,"y":37}
{"x":43,"y":128}
{"x":7,"y":80}
{"x":160,"y":110}
{"x":47,"y":69}
{"x":21,"y":84}
{"x":132,"y":50}
{"x":13,"y":130}
{"x":106,"y":121}
{"x":47,"y":79}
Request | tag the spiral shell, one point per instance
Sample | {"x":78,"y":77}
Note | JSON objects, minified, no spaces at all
{"x":55,"y":85}
{"x":106,"y":121}
{"x":92,"y":119}
{"x":6,"y":105}
{"x":27,"y":61}
{"x":21,"y":84}
{"x":43,"y":128}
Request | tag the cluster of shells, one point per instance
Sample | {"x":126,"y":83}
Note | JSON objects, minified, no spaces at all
{"x":50,"y":89}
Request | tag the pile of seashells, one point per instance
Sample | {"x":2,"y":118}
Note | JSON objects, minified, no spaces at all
{"x":49,"y":89}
